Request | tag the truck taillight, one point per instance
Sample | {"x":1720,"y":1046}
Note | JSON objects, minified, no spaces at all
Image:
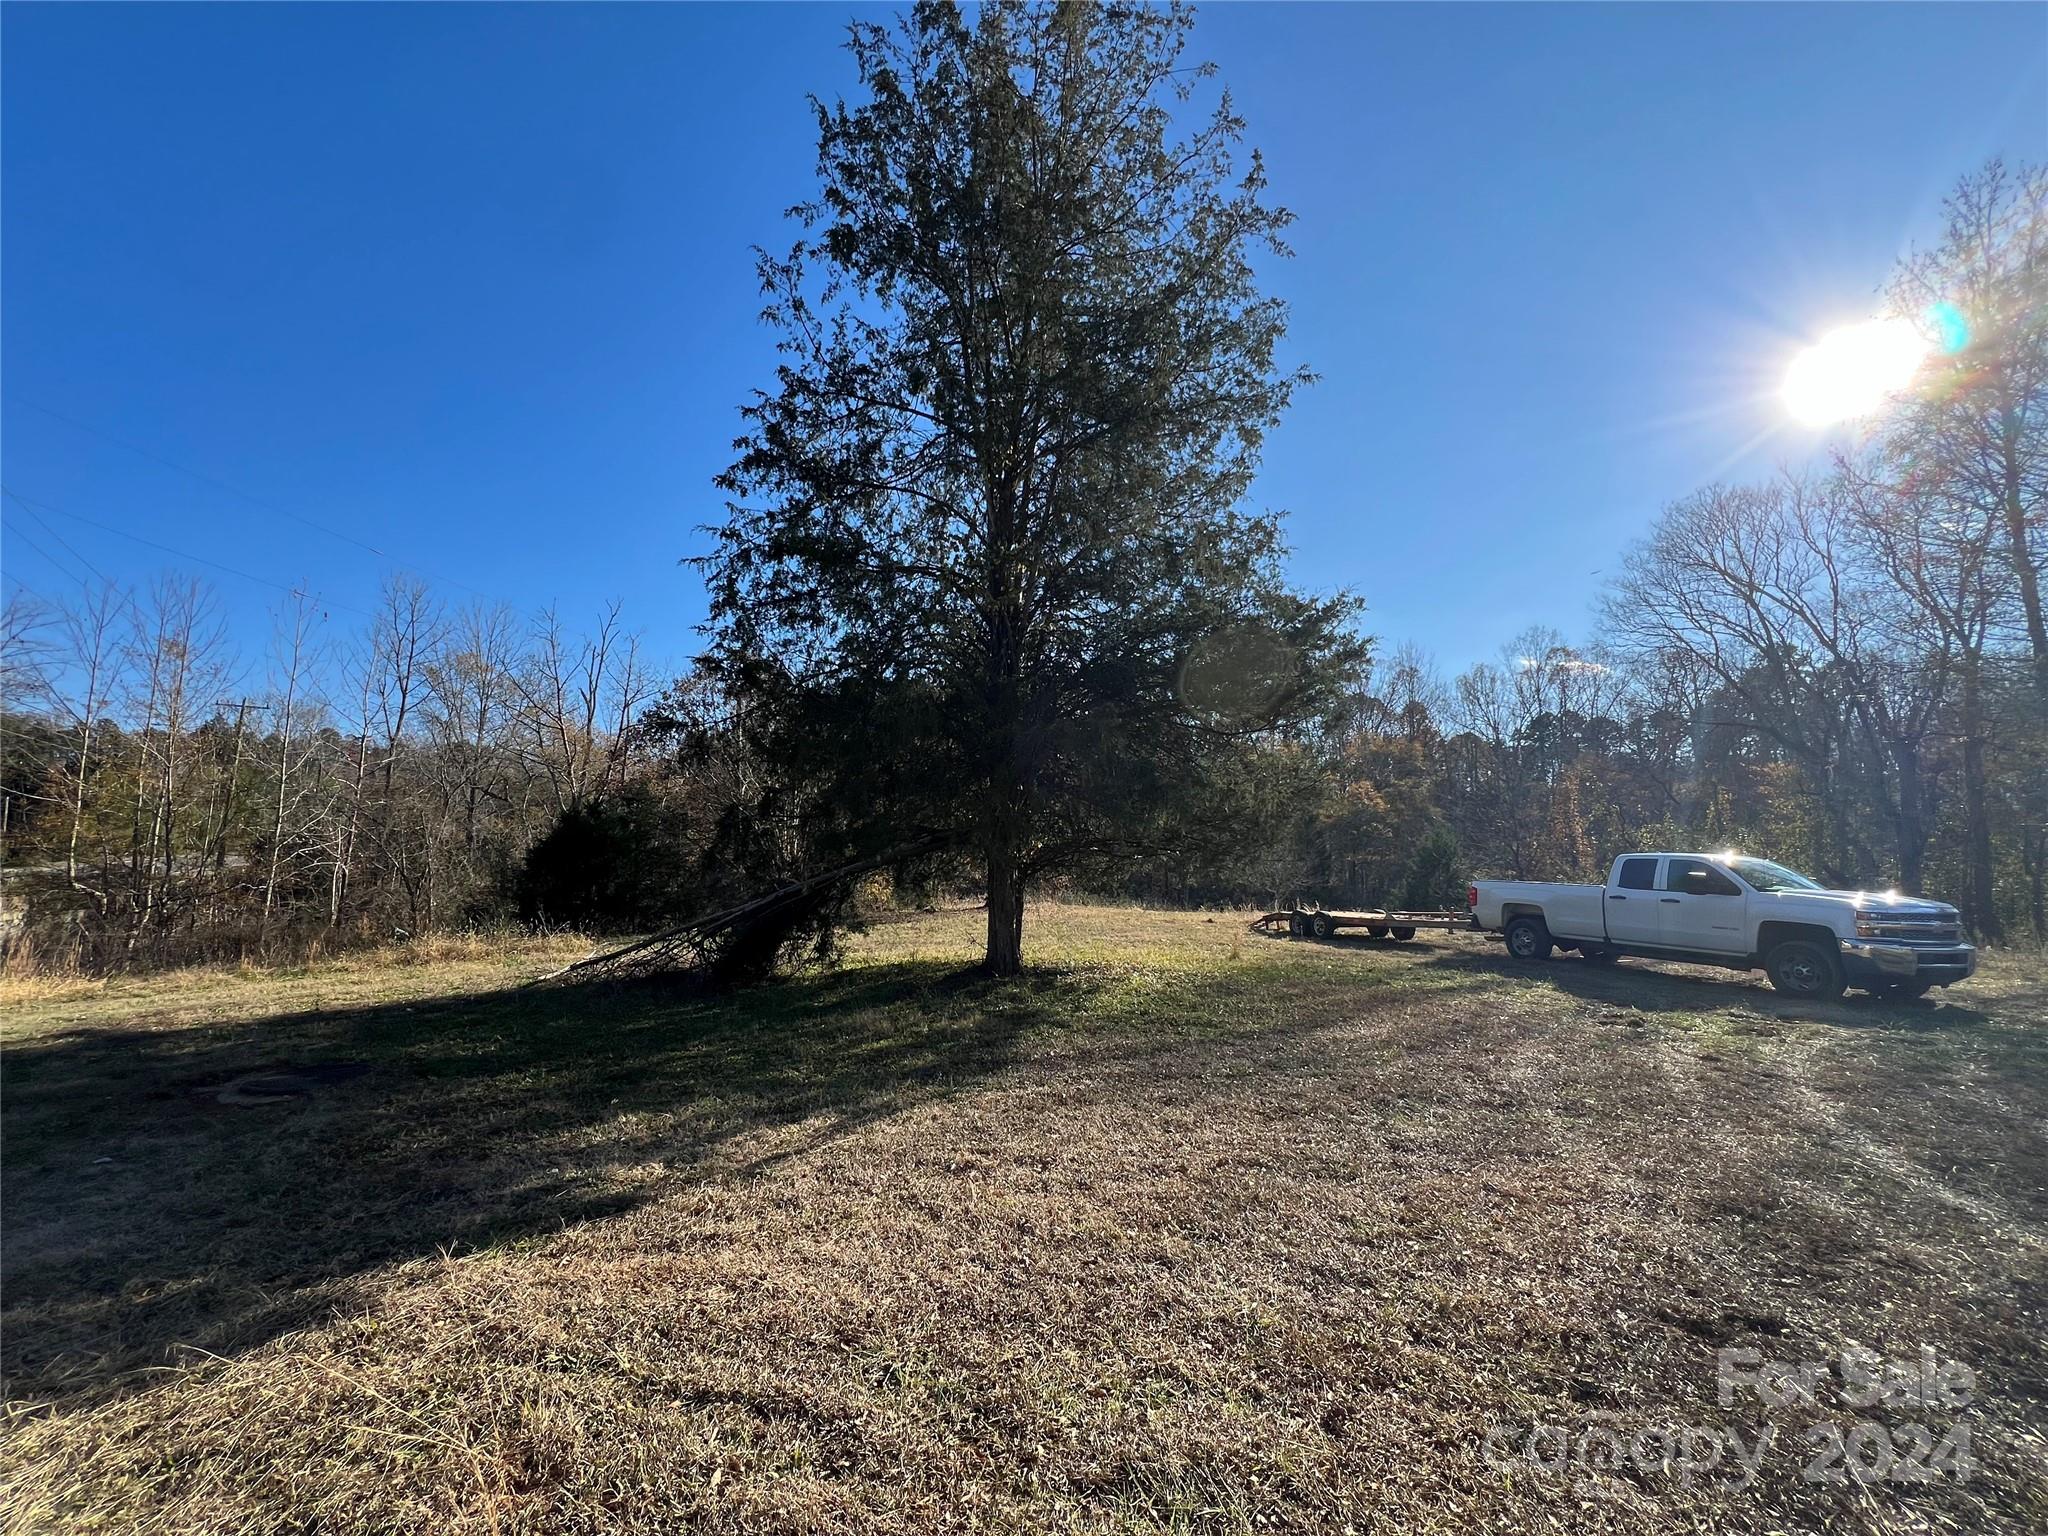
{"x":1472,"y":896}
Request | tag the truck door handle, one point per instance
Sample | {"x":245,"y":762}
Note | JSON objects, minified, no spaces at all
{"x":1617,"y":898}
{"x":1672,"y":900}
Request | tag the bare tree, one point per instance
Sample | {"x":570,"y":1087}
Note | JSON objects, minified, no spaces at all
{"x":1762,"y":589}
{"x":577,"y":704}
{"x":472,"y":716}
{"x":1974,"y":432}
{"x":1943,"y":584}
{"x":91,"y":655}
{"x":25,"y":622}
{"x":178,"y":658}
{"x":1524,"y":721}
{"x":294,"y":741}
{"x":388,"y":677}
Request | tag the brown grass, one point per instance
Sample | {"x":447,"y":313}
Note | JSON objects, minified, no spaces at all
{"x":1186,"y":1229}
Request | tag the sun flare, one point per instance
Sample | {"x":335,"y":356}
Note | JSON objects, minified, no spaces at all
{"x":1852,"y":371}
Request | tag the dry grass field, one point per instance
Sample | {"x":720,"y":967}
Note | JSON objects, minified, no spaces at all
{"x":1188,"y":1230}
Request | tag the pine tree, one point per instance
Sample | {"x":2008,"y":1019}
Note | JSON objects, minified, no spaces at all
{"x":987,"y":568}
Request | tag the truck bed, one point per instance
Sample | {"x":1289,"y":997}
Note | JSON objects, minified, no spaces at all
{"x":1571,"y":911}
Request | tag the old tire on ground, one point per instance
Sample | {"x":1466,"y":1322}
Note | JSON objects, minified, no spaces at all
{"x":1802,"y":968}
{"x":1528,"y":939}
{"x":1323,"y":926}
{"x":1403,"y":935}
{"x":1376,"y":930}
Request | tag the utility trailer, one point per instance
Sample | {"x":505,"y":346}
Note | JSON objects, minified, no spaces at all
{"x":1399,"y":925}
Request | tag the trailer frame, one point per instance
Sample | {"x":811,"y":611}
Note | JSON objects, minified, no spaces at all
{"x":1399,"y":924}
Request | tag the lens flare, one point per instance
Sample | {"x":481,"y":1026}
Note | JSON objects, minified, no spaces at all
{"x":1851,"y":372}
{"x":1951,"y":330}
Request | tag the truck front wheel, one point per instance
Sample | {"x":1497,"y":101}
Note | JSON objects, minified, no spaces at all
{"x":1801,"y":968}
{"x":1528,"y":939}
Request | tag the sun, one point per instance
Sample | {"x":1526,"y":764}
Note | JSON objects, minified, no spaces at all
{"x":1852,"y":371}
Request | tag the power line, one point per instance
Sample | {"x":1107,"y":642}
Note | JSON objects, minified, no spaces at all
{"x":182,"y":554}
{"x":62,"y":542}
{"x":234,"y":490}
{"x":128,"y":596}
{"x":64,"y":569}
{"x":112,"y":587}
{"x":203,"y":478}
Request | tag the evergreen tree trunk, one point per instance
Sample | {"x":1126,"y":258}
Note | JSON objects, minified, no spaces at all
{"x":1005,"y":948}
{"x":1003,"y":844}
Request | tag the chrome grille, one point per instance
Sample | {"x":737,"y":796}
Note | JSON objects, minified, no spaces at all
{"x":1910,"y":927}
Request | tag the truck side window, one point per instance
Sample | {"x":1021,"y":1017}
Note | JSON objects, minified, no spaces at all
{"x":1639,"y":874}
{"x":1696,"y":877}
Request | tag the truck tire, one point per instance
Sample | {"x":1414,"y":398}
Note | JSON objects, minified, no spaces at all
{"x":1802,"y":968}
{"x":1323,"y":926}
{"x":1528,"y":939}
{"x":1403,"y":935}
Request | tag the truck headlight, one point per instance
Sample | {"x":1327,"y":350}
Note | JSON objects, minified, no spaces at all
{"x":1867,"y":925}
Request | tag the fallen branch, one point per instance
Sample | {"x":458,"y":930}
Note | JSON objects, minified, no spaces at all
{"x":697,"y":943}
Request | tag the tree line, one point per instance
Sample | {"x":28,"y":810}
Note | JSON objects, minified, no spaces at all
{"x":168,"y":800}
{"x":987,"y":588}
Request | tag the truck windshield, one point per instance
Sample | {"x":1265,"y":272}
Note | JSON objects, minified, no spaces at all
{"x":1763,"y":875}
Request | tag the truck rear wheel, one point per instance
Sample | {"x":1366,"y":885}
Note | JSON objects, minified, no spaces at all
{"x":1802,"y":968}
{"x":1528,"y":939}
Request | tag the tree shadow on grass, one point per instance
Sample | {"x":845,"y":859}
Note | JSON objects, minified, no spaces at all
{"x":144,"y":1214}
{"x":1653,"y":988}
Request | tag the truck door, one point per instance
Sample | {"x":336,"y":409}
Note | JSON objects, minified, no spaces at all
{"x":1701,"y":907}
{"x":1633,"y":913}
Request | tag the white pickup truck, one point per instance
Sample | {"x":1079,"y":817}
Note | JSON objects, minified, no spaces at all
{"x":1746,"y":914}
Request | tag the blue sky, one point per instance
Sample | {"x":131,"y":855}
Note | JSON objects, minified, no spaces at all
{"x":472,"y":284}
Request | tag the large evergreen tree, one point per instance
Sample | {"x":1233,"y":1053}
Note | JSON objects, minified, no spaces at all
{"x":987,"y":564}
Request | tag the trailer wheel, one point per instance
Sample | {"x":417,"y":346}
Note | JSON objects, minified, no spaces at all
{"x":1376,"y":930}
{"x":1323,"y":926}
{"x":1403,"y":935}
{"x":1528,"y":939}
{"x":1297,"y":925}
